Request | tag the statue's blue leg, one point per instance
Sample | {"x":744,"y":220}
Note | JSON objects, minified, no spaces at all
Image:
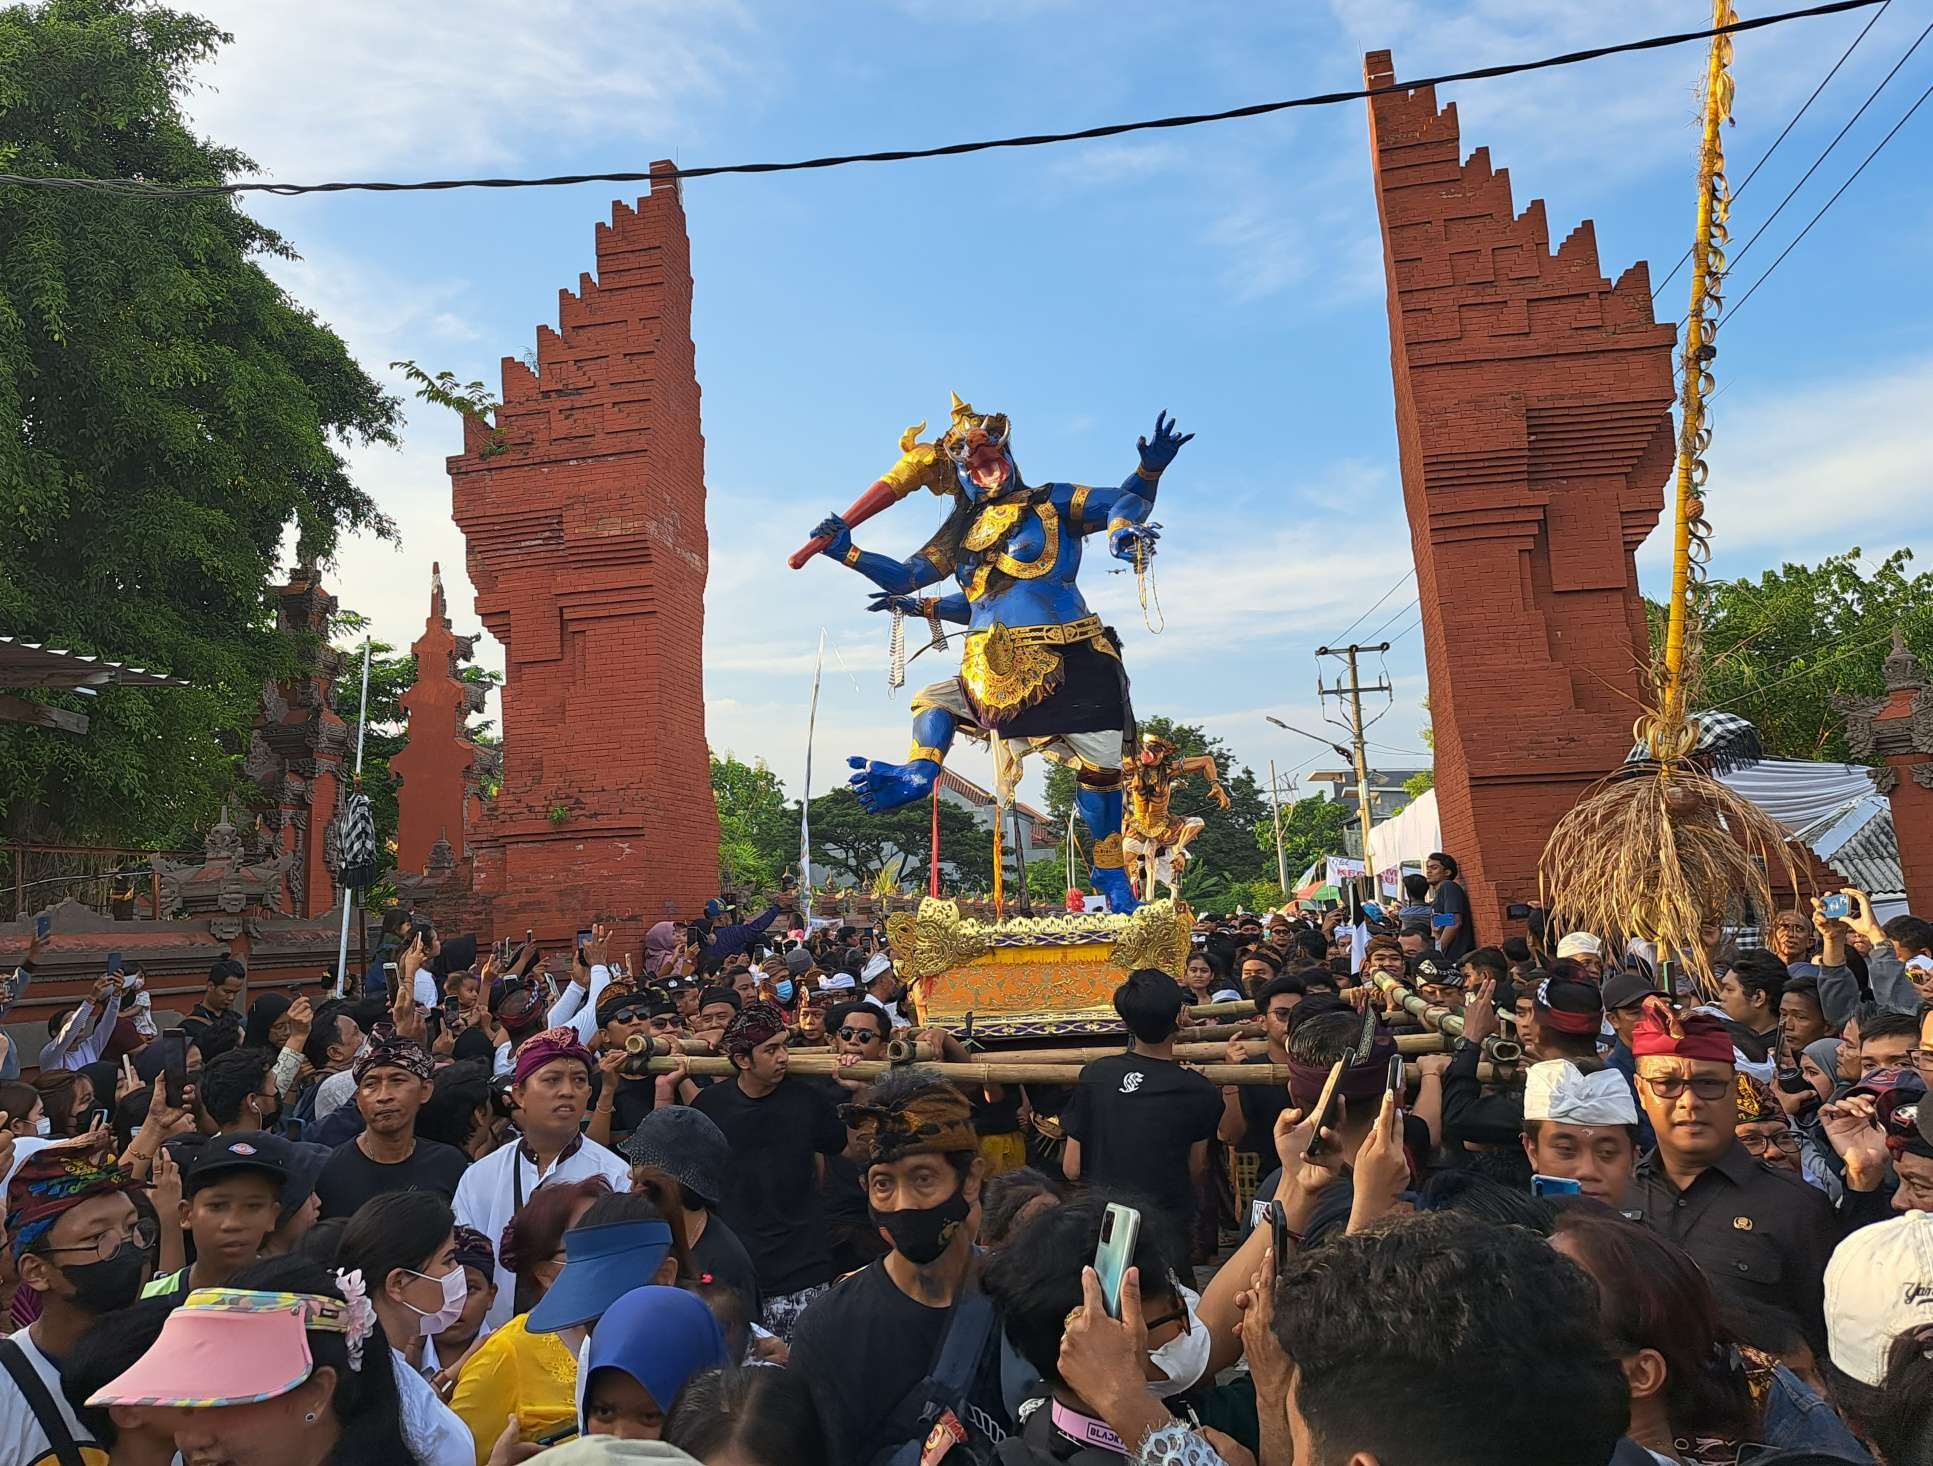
{"x":1100,"y":811}
{"x":882,"y":786}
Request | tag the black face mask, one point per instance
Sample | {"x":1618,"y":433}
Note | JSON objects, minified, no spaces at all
{"x":921,"y":1234}
{"x":110,"y":1284}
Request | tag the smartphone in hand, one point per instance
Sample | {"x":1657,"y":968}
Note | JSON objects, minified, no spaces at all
{"x":1326,"y":1108}
{"x":1114,"y":1253}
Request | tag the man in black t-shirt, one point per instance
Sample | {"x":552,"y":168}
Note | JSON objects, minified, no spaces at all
{"x":392,"y":1084}
{"x":1141,"y":1122}
{"x":868,"y":1347}
{"x":1450,"y":907}
{"x":777,"y":1128}
{"x":213,"y":1025}
{"x":1249,"y":1110}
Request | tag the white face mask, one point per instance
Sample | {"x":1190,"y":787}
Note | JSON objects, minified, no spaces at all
{"x":456,"y":1292}
{"x":43,"y":1127}
{"x":1183,"y":1359}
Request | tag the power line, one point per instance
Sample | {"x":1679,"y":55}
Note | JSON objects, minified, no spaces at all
{"x":1732,"y":313}
{"x":138,"y":188}
{"x":1384,"y":596}
{"x":1791,"y":123}
{"x":1401,"y":612}
{"x":1732,"y":262}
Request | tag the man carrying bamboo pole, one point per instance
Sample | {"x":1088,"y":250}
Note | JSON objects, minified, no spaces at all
{"x":1141,"y":1121}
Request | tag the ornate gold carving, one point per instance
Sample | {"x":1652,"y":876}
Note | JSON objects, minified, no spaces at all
{"x":851,"y":557}
{"x":1077,"y":505}
{"x":1107,"y":852}
{"x":937,"y":559}
{"x":1034,"y":962}
{"x":920,"y":750}
{"x":1157,"y":935}
{"x":1004,"y":673}
{"x":994,"y":523}
{"x":1049,"y":518}
{"x":1140,"y":472}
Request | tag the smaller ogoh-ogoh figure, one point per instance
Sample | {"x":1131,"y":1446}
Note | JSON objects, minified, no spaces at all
{"x":1156,"y":840}
{"x":1040,"y":673}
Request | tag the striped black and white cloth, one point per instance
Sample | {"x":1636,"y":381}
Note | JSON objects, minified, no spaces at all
{"x":356,"y":843}
{"x":1726,"y":742}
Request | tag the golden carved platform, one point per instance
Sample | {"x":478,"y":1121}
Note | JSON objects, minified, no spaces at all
{"x":1031,"y":977}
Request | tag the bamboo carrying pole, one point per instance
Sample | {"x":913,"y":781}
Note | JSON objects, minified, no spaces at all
{"x":912,"y":1051}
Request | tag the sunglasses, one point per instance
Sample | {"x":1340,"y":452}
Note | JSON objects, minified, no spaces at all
{"x":1673,"y":1086}
{"x":629,"y":1015}
{"x":859,"y":1035}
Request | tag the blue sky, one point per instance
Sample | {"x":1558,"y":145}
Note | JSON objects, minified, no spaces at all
{"x":1231,"y":274}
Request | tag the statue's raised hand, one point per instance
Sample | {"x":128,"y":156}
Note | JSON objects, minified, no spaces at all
{"x":834,"y":529}
{"x":1157,"y":455}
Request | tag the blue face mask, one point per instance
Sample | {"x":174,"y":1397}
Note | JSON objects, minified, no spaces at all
{"x":783,"y":989}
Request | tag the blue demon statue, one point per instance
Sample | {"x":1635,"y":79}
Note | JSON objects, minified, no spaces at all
{"x":1040,"y":673}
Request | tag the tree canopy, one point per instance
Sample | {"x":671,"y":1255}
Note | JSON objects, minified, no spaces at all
{"x":1777,"y":649}
{"x":1225,"y":852}
{"x":167,"y":415}
{"x":758,"y":829}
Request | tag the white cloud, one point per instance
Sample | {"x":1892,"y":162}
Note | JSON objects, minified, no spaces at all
{"x":1101,"y":164}
{"x":1815,"y":468}
{"x":357,"y":85}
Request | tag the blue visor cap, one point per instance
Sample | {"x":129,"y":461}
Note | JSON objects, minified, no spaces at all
{"x":601,"y":1265}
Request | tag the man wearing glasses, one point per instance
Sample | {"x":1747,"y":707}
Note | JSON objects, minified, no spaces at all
{"x":1758,"y":1231}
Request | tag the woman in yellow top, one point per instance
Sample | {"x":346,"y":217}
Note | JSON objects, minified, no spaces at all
{"x":516,"y":1372}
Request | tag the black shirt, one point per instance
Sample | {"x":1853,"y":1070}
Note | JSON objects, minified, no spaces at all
{"x":720,"y":1256}
{"x":1451,"y":900}
{"x":996,"y":1117}
{"x":349,"y":1178}
{"x":1262,"y":1106}
{"x":864,"y":1347}
{"x":772,"y":1193}
{"x":1137,"y":1118}
{"x":1760,"y":1233}
{"x":212,"y":1033}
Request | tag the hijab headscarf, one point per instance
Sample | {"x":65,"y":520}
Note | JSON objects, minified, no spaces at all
{"x":262,"y":1014}
{"x":659,"y":1336}
{"x":660,"y":946}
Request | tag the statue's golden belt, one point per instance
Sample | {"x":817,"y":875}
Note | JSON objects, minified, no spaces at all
{"x":1008,"y":669}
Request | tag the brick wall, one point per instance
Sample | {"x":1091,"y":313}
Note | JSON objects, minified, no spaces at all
{"x":1533,"y":421}
{"x":585,"y":524}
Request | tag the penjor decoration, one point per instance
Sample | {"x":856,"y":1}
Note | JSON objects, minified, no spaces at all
{"x":1662,"y":850}
{"x":1039,"y":673}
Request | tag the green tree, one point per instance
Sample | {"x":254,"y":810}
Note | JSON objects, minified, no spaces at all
{"x":167,"y":412}
{"x":758,"y":829}
{"x":1312,"y":828}
{"x":1226,"y":847}
{"x":1419,"y":784}
{"x":1778,"y":648}
{"x":858,"y":845}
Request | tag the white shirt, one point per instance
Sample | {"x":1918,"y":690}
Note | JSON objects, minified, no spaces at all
{"x":333,"y":1093}
{"x":423,"y":988}
{"x":487,"y":1195}
{"x":436,"y":1434}
{"x":22,"y":1441}
{"x":891,"y":1010}
{"x":573,"y":1010}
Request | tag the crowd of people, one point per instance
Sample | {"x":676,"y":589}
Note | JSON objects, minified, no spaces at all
{"x":1532,"y":1202}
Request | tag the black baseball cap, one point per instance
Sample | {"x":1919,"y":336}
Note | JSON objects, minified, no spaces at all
{"x":1626,"y":989}
{"x":241,"y":1150}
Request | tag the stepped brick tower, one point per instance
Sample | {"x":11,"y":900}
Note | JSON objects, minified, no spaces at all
{"x":1533,"y":418}
{"x":299,"y":749}
{"x":1896,"y":732}
{"x":437,"y":764}
{"x":584,"y":513}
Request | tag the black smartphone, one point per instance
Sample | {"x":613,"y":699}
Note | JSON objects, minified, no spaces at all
{"x":1326,"y":1107}
{"x":1395,"y":1081}
{"x":1517,"y":911}
{"x":43,"y":927}
{"x":114,"y":964}
{"x":174,"y":1079}
{"x":557,"y":1435}
{"x":583,"y":939}
{"x":452,"y":1005}
{"x":1279,"y":1232}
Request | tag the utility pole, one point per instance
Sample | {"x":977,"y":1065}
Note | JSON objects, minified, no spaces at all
{"x":1281,"y":860}
{"x":1353,"y":692}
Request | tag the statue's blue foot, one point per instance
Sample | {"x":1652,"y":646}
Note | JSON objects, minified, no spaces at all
{"x":1113,"y":884}
{"x":883,"y":786}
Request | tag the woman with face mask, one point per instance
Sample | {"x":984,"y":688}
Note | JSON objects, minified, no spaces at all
{"x":402,"y":1246}
{"x":1036,"y":1281}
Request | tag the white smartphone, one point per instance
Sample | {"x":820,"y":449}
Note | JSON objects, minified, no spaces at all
{"x":1114,"y":1253}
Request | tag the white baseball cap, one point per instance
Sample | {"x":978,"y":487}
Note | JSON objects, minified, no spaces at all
{"x":1879,"y":1284}
{"x":1580,"y":944}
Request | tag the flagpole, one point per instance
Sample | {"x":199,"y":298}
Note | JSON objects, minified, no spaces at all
{"x":362,"y":722}
{"x":805,"y":804}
